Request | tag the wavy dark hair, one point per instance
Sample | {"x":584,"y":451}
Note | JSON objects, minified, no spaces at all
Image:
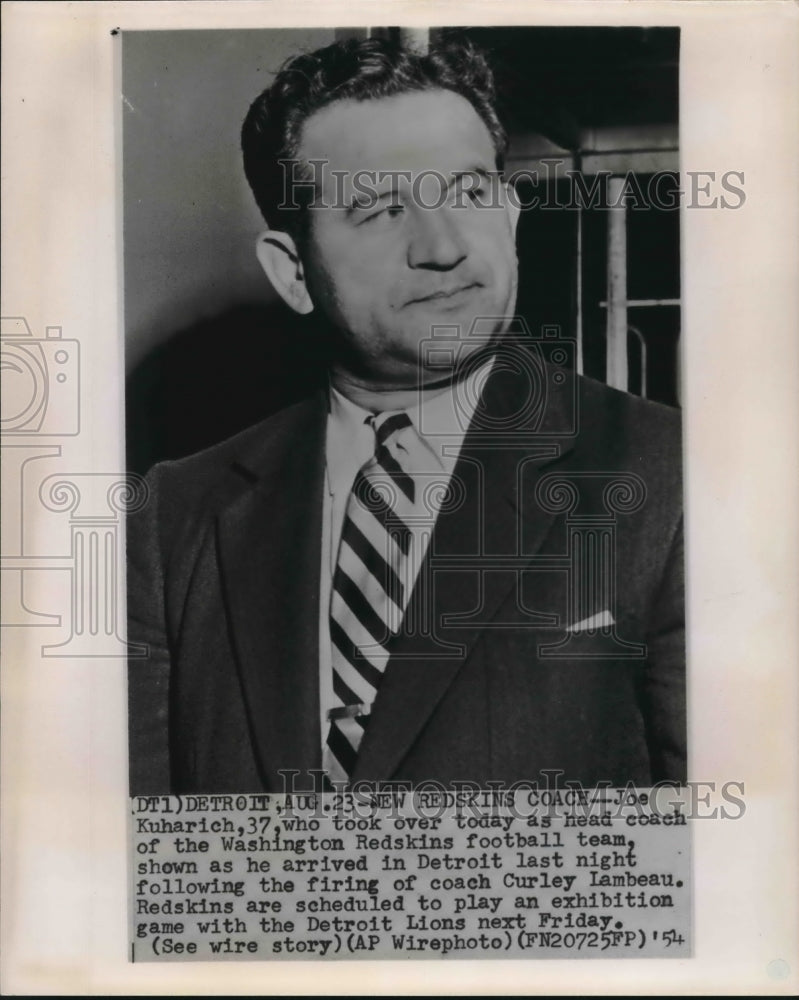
{"x":357,"y":70}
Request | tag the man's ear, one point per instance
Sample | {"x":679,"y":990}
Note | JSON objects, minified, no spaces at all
{"x":277,"y":254}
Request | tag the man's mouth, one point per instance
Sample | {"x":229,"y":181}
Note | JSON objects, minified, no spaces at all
{"x":446,"y":294}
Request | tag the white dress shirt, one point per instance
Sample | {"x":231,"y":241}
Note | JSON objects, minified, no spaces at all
{"x":441,"y":421}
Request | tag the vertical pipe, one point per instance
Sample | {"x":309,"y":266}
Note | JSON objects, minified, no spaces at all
{"x":616,"y":365}
{"x":579,"y":330}
{"x":415,"y":38}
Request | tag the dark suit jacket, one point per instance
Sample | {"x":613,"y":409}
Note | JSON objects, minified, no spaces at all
{"x":224,"y":565}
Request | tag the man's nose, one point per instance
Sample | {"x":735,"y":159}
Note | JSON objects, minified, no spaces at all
{"x":436,"y":243}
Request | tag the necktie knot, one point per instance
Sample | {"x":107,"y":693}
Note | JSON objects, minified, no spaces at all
{"x":388,"y":468}
{"x":388,"y":423}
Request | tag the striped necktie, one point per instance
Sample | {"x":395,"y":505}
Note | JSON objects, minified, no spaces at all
{"x":368,"y":593}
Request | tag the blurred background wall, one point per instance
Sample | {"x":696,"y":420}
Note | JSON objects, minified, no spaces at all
{"x":190,"y":222}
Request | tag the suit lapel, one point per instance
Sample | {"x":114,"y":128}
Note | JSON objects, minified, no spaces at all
{"x":270,"y":553}
{"x":456,"y":581}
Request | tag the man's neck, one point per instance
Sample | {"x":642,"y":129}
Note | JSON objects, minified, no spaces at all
{"x":378,"y":399}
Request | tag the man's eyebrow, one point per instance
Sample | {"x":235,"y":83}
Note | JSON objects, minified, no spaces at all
{"x":372,"y":197}
{"x":458,"y":175}
{"x":360,"y":202}
{"x":369,"y":195}
{"x":480,"y":171}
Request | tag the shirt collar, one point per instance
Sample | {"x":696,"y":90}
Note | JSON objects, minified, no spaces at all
{"x":441,"y":420}
{"x":444,"y":419}
{"x":350,"y":441}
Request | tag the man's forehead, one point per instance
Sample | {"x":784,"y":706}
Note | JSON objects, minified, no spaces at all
{"x":418,"y":131}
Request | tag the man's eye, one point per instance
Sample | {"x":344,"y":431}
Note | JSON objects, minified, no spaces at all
{"x":467,"y":193}
{"x":387,"y":213}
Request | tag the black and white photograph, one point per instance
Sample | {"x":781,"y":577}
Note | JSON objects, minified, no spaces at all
{"x":413,"y":451}
{"x":442,"y":550}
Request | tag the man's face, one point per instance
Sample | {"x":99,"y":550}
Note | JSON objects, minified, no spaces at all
{"x":429,"y":250}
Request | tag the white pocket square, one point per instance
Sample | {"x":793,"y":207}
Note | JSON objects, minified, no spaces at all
{"x":604,"y":619}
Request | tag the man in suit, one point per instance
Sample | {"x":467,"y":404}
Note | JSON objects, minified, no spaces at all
{"x":458,"y":563}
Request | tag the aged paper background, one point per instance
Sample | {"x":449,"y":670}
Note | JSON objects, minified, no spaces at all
{"x":64,"y":721}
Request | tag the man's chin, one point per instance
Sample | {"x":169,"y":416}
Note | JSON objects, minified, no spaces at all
{"x":444,"y":359}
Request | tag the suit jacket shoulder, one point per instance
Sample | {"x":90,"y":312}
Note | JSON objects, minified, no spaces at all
{"x":196,"y":487}
{"x":618,"y":424}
